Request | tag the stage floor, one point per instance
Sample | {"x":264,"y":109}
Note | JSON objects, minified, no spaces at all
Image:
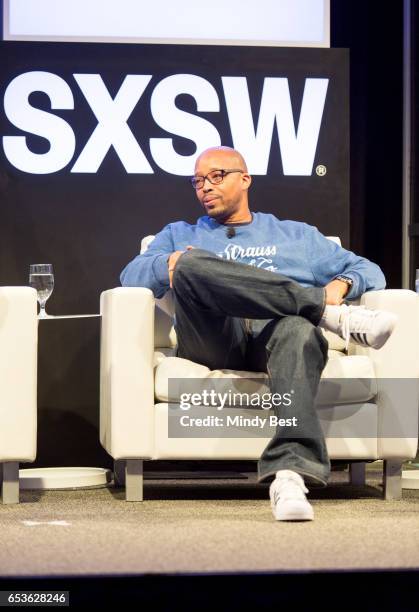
{"x":207,"y":526}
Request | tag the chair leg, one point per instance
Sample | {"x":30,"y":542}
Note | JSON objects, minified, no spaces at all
{"x":10,"y":482}
{"x":357,"y":473}
{"x":119,"y":472}
{"x":392,"y":479}
{"x":134,"y":480}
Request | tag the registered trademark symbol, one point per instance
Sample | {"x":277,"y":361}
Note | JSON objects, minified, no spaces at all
{"x":321,"y":170}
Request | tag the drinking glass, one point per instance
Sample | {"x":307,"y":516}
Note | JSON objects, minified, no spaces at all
{"x":41,"y":278}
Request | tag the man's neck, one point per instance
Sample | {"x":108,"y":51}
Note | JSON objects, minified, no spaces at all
{"x":244,"y":216}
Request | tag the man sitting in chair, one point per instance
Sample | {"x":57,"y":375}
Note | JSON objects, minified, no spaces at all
{"x":251,"y":292}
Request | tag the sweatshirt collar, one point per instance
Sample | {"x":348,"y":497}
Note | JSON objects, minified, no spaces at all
{"x":215,"y":223}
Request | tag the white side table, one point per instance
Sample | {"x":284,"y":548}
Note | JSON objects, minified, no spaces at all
{"x":64,"y":477}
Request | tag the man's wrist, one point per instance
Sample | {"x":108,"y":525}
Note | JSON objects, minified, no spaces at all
{"x":346,"y":282}
{"x":344,"y":279}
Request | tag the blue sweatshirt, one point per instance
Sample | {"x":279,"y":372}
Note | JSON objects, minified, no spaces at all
{"x":292,"y":248}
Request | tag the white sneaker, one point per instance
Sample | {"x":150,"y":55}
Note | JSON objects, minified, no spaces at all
{"x":370,"y":328}
{"x":288,"y":500}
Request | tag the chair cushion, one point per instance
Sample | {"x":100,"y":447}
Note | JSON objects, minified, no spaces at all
{"x":345,"y":379}
{"x":336,"y":343}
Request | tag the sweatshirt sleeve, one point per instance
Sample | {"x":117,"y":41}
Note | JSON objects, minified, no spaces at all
{"x":328,"y":260}
{"x":150,"y":269}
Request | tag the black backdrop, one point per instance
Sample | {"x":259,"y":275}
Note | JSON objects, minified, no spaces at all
{"x":89,"y":225}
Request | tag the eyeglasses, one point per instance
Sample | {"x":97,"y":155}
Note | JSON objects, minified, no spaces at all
{"x":215,"y":177}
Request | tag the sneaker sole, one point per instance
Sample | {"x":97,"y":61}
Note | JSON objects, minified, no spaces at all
{"x":303,"y":513}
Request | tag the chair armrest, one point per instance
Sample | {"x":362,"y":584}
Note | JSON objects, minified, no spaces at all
{"x":399,"y":357}
{"x":18,"y":373}
{"x":126,"y":372}
{"x":396,"y":366}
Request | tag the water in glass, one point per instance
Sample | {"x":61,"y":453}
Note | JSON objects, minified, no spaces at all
{"x":41,"y":278}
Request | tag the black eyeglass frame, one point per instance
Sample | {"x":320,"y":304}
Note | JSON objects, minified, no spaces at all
{"x":224,"y":172}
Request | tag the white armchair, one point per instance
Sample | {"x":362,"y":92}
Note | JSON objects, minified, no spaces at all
{"x":18,"y":385}
{"x":137,"y":360}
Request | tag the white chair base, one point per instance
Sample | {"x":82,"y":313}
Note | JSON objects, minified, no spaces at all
{"x":9,"y":478}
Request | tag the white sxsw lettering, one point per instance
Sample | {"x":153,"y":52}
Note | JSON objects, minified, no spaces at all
{"x":36,"y":121}
{"x":112,"y":129}
{"x":297,"y":148}
{"x":177,"y":121}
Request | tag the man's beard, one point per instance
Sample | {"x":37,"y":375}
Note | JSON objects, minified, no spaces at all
{"x":219,"y":212}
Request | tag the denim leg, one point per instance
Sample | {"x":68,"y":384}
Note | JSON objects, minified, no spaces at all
{"x":206,"y":282}
{"x":214,"y":340}
{"x":294,"y":353}
{"x":205,"y":334}
{"x":212,"y":297}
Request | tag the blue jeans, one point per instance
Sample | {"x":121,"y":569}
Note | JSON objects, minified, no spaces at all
{"x":235,"y":316}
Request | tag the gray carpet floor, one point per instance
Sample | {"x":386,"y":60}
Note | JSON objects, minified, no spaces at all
{"x":207,"y":526}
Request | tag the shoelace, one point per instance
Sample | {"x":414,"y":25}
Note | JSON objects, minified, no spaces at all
{"x":358,"y":325}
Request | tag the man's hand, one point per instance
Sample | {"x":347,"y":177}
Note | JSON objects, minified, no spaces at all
{"x":336,"y":291}
{"x":172,"y":261}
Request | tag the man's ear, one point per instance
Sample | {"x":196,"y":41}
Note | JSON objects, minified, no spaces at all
{"x":246,"y":180}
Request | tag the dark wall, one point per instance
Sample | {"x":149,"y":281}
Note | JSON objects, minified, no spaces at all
{"x":415,"y":141}
{"x":374,"y":34}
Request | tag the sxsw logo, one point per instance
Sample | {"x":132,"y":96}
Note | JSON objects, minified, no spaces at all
{"x":298,"y":136}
